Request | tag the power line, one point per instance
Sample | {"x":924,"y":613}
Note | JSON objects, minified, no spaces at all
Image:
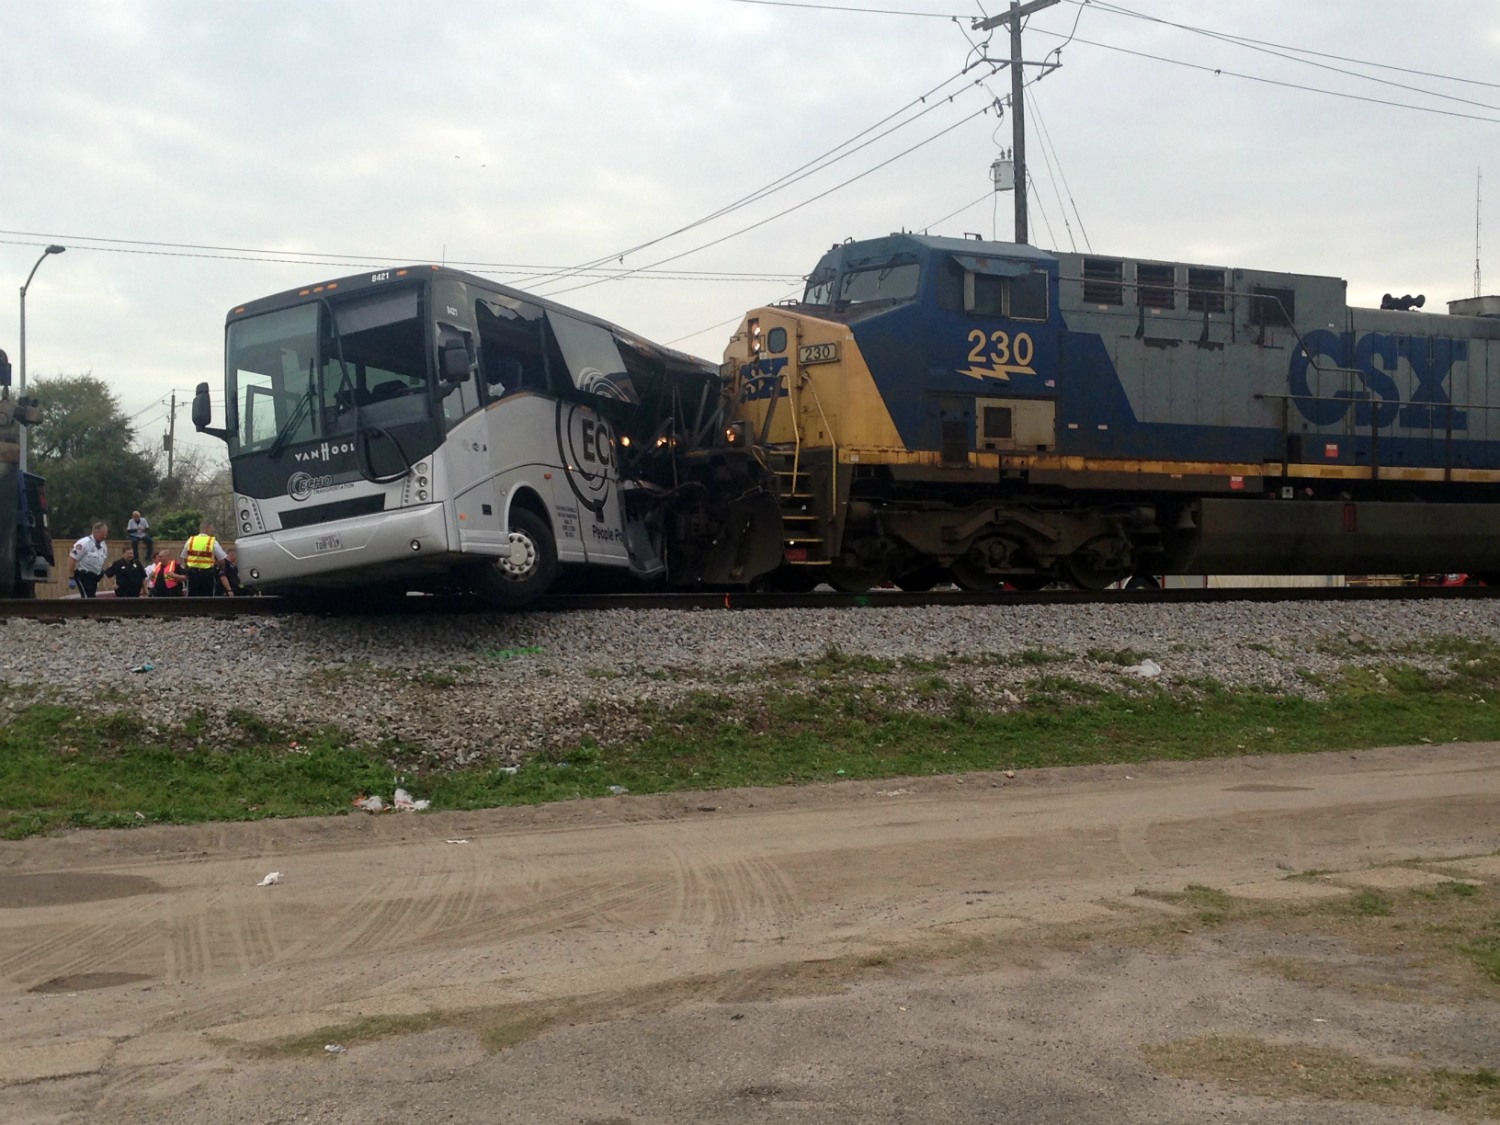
{"x":960,"y":211}
{"x":796,"y":206}
{"x":76,"y":241}
{"x":825,"y":160}
{"x":1220,"y":71}
{"x":1115,"y":9}
{"x":848,"y":8}
{"x":1047,"y":144}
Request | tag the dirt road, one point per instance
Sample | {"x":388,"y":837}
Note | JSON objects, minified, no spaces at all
{"x":969,"y":949}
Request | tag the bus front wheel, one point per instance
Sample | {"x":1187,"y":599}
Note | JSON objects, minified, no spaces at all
{"x":528,"y":570}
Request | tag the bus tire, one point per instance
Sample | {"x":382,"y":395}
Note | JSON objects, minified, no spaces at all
{"x":528,"y":571}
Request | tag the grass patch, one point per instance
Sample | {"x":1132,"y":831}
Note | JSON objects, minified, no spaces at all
{"x":354,"y":1034}
{"x":837,"y":715}
{"x":1281,"y":1070}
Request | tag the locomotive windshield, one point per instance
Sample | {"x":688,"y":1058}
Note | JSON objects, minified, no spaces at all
{"x":304,"y":373}
{"x":881,"y":283}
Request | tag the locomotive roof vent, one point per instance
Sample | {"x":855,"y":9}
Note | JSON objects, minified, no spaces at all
{"x":1475,"y":306}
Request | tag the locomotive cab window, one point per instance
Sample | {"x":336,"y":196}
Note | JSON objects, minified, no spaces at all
{"x":819,"y":289}
{"x":890,"y":282}
{"x":1028,"y":296}
{"x":1008,"y":289}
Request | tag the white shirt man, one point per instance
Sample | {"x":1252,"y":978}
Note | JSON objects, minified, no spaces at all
{"x":90,"y":555}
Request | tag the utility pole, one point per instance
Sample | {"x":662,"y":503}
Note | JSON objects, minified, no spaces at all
{"x":171,"y":432}
{"x":1017,"y":115}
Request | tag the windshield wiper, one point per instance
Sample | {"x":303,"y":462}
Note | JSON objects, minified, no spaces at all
{"x":298,"y":413}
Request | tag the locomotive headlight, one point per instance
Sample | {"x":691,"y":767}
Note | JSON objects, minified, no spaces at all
{"x":421,"y":466}
{"x":754,"y":330}
{"x":255,"y":572}
{"x":416,"y":544}
{"x":244,"y":513}
{"x":625,"y":440}
{"x":421,"y":494}
{"x":245,"y":527}
{"x":421,"y":482}
{"x":735,"y":433}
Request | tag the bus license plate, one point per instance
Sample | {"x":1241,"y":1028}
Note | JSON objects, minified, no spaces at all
{"x":327,"y":543}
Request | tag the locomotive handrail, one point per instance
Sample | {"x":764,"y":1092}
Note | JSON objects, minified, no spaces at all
{"x":833,"y":467}
{"x":1449,"y":408}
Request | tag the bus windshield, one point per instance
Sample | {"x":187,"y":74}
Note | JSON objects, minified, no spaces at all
{"x":304,"y":373}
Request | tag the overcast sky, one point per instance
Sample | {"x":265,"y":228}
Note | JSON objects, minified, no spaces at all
{"x":193,"y":155}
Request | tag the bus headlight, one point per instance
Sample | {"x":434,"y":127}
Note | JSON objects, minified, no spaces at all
{"x":245,"y":527}
{"x":421,"y":494}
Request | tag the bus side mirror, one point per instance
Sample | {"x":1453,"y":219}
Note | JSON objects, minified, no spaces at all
{"x":4,"y":370}
{"x":203,"y":413}
{"x":454,"y":361}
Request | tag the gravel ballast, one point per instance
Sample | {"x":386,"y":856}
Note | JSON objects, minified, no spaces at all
{"x":496,"y":687}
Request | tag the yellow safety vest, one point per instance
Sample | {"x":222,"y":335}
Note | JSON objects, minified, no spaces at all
{"x":200,"y":552}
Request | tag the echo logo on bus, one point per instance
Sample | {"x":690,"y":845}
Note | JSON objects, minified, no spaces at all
{"x":596,"y":442}
{"x":1377,"y":356}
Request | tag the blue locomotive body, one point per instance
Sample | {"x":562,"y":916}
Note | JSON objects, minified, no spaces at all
{"x":1001,"y":413}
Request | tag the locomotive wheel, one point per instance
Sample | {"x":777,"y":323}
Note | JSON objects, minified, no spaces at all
{"x":792,"y":579}
{"x":922,"y":578}
{"x":969,"y":575}
{"x":1084,"y":573}
{"x":853,"y":579}
{"x":528,"y":571}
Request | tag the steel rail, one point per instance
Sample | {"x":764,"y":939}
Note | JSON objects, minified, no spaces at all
{"x":69,"y":608}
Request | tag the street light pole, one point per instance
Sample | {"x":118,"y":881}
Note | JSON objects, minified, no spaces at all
{"x":53,"y":249}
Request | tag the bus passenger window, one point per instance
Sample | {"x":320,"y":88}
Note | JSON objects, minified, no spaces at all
{"x":510,"y":347}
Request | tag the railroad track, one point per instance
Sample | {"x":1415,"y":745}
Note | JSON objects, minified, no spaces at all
{"x":67,"y":608}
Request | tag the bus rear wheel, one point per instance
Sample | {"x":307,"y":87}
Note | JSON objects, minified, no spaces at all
{"x":528,"y":570}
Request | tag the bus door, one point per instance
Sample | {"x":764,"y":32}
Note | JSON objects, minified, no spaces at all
{"x":468,"y":463}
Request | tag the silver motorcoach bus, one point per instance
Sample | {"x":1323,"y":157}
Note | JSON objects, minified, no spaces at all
{"x":426,"y":429}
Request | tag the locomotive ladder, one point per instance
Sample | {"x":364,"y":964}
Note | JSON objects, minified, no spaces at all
{"x":805,"y":520}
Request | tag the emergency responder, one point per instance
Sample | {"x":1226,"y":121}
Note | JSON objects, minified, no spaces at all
{"x":201,"y":555}
{"x":89,"y":555}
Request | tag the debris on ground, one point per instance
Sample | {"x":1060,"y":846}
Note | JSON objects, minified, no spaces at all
{"x":402,"y":800}
{"x":271,"y":879}
{"x":1146,"y":669}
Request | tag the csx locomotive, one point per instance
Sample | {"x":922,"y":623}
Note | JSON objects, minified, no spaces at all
{"x":950,"y":409}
